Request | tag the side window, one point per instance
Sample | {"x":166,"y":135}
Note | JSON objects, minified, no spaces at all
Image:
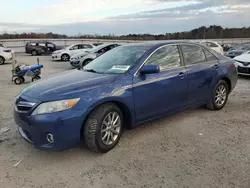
{"x":33,"y":44}
{"x":166,"y":57}
{"x":74,"y":47}
{"x":209,"y":56}
{"x":50,"y":45}
{"x":113,"y":46}
{"x":42,"y":44}
{"x":193,"y":54}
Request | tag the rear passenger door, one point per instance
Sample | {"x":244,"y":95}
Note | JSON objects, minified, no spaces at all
{"x":202,"y":71}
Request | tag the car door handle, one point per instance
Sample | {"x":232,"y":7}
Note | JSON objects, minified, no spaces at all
{"x":181,"y":75}
{"x":216,"y":66}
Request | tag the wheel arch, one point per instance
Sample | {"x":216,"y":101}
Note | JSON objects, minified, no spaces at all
{"x":228,"y":81}
{"x":128,"y":117}
{"x":3,"y":57}
{"x":65,"y":53}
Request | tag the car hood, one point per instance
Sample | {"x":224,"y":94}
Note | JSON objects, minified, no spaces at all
{"x":67,"y":85}
{"x":243,"y":58}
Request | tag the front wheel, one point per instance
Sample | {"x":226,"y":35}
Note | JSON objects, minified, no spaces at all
{"x":18,"y":81}
{"x":220,"y":96}
{"x":86,"y":62}
{"x":65,"y":57}
{"x":2,"y":60}
{"x":103,"y":128}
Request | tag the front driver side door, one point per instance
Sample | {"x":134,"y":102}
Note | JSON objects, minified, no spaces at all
{"x":163,"y":92}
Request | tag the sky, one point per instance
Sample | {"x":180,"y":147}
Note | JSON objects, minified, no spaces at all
{"x":118,"y":17}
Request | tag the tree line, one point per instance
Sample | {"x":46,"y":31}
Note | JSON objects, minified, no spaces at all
{"x":212,"y":32}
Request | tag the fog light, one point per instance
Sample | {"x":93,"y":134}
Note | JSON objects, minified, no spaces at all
{"x":50,"y":138}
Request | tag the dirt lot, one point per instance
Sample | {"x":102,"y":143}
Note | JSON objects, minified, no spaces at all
{"x":197,"y":148}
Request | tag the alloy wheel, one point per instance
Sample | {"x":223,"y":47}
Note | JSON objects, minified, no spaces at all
{"x":220,"y":95}
{"x":111,"y":128}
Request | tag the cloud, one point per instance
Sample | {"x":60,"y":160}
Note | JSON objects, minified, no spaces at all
{"x":134,"y":16}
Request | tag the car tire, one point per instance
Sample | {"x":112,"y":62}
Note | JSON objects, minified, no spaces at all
{"x":34,"y":53}
{"x":22,"y":78}
{"x":103,"y":128}
{"x":18,"y":81}
{"x":219,"y":96}
{"x":35,"y":78}
{"x":2,"y":60}
{"x":65,"y":57}
{"x":87,"y":61}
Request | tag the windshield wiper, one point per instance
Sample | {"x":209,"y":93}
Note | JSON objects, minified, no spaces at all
{"x":90,"y":70}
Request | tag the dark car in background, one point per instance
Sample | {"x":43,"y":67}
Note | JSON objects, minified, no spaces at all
{"x":238,"y":50}
{"x":41,"y":47}
{"x":83,"y":58}
{"x":124,"y":87}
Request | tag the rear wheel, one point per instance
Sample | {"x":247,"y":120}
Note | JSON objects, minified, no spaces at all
{"x":22,"y":78}
{"x":35,"y":78}
{"x":220,"y":96}
{"x":34,"y":52}
{"x":65,"y":57}
{"x":103,"y":128}
{"x":2,"y":60}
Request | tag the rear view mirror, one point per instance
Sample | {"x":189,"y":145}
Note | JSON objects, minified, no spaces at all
{"x":150,"y":69}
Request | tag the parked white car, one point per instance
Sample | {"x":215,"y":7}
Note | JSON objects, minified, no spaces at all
{"x":214,"y":46}
{"x":83,"y":58}
{"x":5,"y":55}
{"x":243,"y":63}
{"x":69,"y":51}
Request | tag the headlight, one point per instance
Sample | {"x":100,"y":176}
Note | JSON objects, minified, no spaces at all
{"x":55,"y":106}
{"x":56,"y":52}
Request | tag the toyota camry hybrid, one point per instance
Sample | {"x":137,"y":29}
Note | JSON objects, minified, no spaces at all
{"x":123,"y":88}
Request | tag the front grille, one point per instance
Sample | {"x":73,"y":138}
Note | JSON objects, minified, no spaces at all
{"x":243,"y":70}
{"x":24,"y":107}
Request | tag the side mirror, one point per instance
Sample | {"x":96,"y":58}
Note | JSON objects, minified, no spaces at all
{"x":150,"y":69}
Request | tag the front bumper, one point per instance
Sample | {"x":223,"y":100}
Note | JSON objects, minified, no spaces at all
{"x":64,"y":126}
{"x":243,"y":70}
{"x":56,"y":56}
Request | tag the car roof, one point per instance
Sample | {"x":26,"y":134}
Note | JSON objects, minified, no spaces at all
{"x":159,"y":44}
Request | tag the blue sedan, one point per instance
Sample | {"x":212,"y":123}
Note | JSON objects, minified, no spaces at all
{"x":123,"y":88}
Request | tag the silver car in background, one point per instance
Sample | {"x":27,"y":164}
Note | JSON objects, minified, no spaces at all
{"x":83,"y":58}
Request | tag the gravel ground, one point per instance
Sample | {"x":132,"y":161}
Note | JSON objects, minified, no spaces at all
{"x":197,"y":148}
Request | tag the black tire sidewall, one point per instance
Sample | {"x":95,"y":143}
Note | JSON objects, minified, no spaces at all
{"x":36,"y":78}
{"x":34,"y":54}
{"x":66,"y":55}
{"x":100,"y":145}
{"x":3,"y":61}
{"x":18,"y":83}
{"x":221,"y":82}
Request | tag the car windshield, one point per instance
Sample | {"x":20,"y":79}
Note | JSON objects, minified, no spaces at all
{"x":118,"y":60}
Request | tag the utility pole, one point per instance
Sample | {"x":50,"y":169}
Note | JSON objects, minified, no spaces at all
{"x":204,"y":34}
